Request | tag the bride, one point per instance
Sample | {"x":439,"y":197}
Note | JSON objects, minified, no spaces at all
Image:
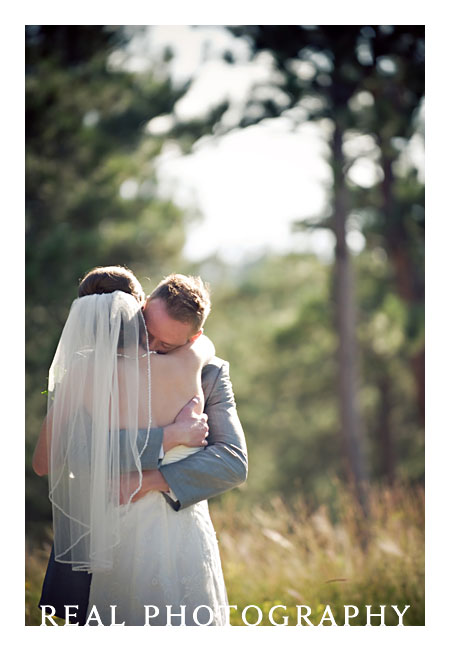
{"x":156,"y":566}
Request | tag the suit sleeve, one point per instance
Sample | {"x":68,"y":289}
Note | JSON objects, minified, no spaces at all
{"x":222,"y":465}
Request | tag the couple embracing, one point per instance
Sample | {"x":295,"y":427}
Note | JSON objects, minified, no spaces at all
{"x":141,"y":430}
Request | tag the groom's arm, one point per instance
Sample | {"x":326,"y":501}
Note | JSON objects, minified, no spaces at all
{"x":222,"y":465}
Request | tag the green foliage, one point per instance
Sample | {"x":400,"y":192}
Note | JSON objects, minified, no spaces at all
{"x":85,"y":137}
{"x":274,"y":323}
{"x":274,"y":318}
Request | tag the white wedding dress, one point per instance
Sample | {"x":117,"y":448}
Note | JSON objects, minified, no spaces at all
{"x":164,"y":558}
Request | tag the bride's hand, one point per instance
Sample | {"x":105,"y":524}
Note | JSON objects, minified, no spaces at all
{"x":152,"y":480}
{"x":190,"y":428}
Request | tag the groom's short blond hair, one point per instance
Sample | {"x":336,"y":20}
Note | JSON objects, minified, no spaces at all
{"x":187,"y":298}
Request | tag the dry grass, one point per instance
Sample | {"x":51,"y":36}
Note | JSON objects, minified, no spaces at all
{"x":275,"y":554}
{"x":290,"y":556}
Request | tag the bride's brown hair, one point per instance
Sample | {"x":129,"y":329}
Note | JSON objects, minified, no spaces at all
{"x":105,"y":280}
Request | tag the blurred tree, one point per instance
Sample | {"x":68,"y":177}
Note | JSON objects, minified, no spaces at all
{"x":325,"y":71}
{"x":331,"y":54}
{"x":91,"y":199}
{"x":366,"y":83}
{"x":393,"y":210}
{"x":395,"y":435}
{"x":90,"y":184}
{"x":274,"y":322}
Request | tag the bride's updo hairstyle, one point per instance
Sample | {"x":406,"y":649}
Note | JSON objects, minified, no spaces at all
{"x":105,"y":280}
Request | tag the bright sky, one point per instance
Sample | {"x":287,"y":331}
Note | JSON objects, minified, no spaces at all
{"x":249,"y":185}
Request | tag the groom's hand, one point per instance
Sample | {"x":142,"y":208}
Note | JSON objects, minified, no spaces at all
{"x":189,"y":427}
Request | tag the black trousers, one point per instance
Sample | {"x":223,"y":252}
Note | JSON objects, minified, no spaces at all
{"x":63,"y":586}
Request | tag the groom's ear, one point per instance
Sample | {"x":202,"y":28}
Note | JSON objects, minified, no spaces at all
{"x":196,"y":336}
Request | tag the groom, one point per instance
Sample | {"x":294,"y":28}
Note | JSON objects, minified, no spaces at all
{"x":174,"y":313}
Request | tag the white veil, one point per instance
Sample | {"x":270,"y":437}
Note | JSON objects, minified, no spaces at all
{"x":98,"y":400}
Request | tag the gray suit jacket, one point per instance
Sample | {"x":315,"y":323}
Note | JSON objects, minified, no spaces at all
{"x":222,"y":464}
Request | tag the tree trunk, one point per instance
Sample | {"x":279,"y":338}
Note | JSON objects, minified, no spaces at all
{"x":351,"y":425}
{"x":385,"y":431}
{"x":408,"y":285}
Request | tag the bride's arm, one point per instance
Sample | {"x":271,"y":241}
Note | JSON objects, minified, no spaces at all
{"x":41,"y":453}
{"x":40,"y":456}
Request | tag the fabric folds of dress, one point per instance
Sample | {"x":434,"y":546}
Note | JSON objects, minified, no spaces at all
{"x":165,"y":558}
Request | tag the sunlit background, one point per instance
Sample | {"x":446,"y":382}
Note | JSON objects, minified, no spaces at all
{"x":285,"y":165}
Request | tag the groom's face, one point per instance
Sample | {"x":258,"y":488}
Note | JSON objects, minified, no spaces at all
{"x":164,"y":332}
